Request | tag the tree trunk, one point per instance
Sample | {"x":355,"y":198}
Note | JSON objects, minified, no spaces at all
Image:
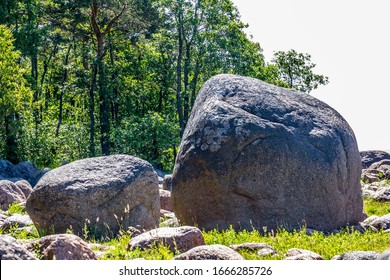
{"x":92,"y":150}
{"x":11,"y":144}
{"x":178,"y":75}
{"x":62,"y":90}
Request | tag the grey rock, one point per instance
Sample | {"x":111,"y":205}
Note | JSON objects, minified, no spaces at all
{"x":382,"y":194}
{"x":166,"y":200}
{"x":167,"y":182}
{"x":171,"y":222}
{"x":210,"y":252}
{"x":25,"y":170}
{"x":357,"y":255}
{"x":16,"y":220}
{"x":254,"y":155}
{"x":25,"y":187}
{"x":370,"y":157}
{"x":300,"y":254}
{"x":382,"y":222}
{"x":103,"y":195}
{"x":179,"y":239}
{"x":385,"y":255}
{"x":263,"y":249}
{"x":64,"y":247}
{"x":10,"y":193}
{"x":10,"y":249}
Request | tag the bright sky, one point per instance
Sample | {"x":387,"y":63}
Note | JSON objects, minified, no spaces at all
{"x":349,"y":40}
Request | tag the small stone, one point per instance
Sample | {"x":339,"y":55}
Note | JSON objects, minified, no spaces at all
{"x":177,"y":239}
{"x":210,"y":252}
{"x":357,"y":255}
{"x":300,"y":254}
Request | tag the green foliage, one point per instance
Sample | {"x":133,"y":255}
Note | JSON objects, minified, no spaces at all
{"x":118,"y":251}
{"x":295,"y":69}
{"x":16,"y":208}
{"x":374,"y":207}
{"x":152,"y":137}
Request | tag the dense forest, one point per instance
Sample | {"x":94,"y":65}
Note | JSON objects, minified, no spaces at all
{"x":97,"y":77}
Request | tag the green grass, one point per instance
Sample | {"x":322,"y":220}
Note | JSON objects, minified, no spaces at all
{"x":326,"y":246}
{"x":119,"y":252}
{"x":16,"y":208}
{"x":374,"y":207}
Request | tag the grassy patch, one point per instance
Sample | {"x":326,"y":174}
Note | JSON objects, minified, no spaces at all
{"x":374,"y":207}
{"x":327,"y":246}
{"x":118,"y":251}
{"x":16,"y":208}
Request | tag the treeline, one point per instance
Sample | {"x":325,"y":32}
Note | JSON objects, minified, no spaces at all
{"x":96,"y":77}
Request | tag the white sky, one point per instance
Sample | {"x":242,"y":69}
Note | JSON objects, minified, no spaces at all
{"x":349,"y":40}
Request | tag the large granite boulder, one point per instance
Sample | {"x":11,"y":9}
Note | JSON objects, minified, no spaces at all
{"x":254,"y":155}
{"x":99,"y":196}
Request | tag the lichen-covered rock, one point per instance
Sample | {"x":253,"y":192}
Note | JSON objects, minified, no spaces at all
{"x":166,"y":200}
{"x":99,"y":196}
{"x":25,"y":187}
{"x":255,"y":155}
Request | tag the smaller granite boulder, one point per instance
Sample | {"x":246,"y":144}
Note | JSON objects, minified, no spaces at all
{"x":101,"y":195}
{"x":65,"y":247}
{"x":210,"y":252}
{"x":179,"y":239}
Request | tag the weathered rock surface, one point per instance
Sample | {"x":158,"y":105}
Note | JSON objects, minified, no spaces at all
{"x":357,"y":255}
{"x":10,"y":193}
{"x":370,"y":157}
{"x":103,"y":194}
{"x":254,"y":155}
{"x":64,"y":247}
{"x":300,"y":254}
{"x":10,"y":249}
{"x":25,"y":187}
{"x":167,"y":182}
{"x":179,"y":239}
{"x":210,"y":252}
{"x":166,"y":200}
